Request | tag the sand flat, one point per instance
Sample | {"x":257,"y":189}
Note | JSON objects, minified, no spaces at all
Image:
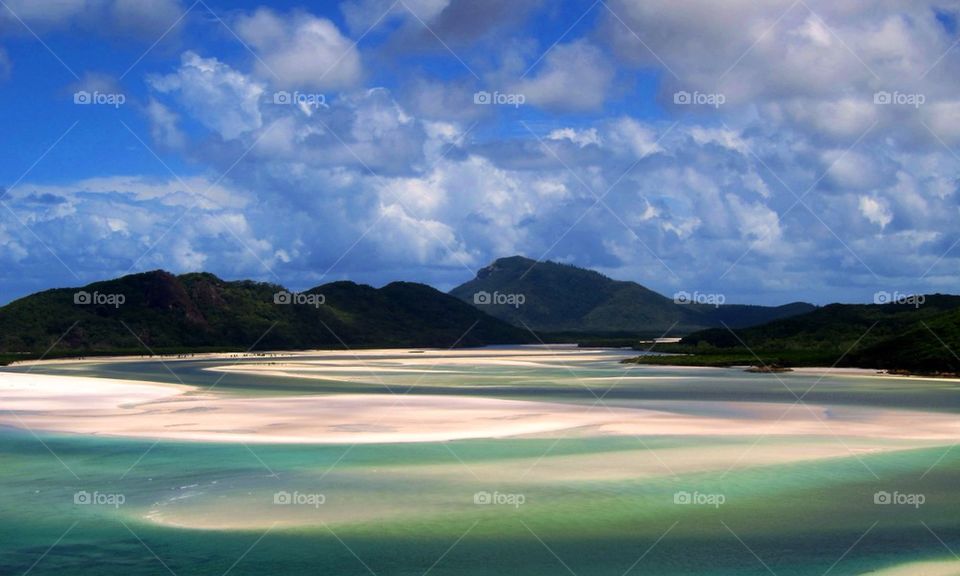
{"x":108,"y":407}
{"x":933,"y":568}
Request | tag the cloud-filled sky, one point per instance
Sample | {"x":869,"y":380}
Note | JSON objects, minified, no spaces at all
{"x":770,"y":151}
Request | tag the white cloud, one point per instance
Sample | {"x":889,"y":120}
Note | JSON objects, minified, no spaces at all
{"x":876,"y":210}
{"x":573,"y":76}
{"x":846,"y":118}
{"x":721,"y":136}
{"x":443,"y":191}
{"x":164,"y":125}
{"x":219,"y":97}
{"x":300,"y":50}
{"x":406,"y":238}
{"x":629,"y":134}
{"x":104,"y":226}
{"x":756,"y":223}
{"x":943,"y":118}
{"x":851,"y":170}
{"x":581,"y":138}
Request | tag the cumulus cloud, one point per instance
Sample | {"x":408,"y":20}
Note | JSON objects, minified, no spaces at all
{"x":573,"y":76}
{"x":407,"y":179}
{"x":220,"y":98}
{"x":111,"y":225}
{"x":757,"y":224}
{"x":815,"y":66}
{"x":631,"y":135}
{"x":164,"y":125}
{"x":876,"y":211}
{"x":581,"y":138}
{"x":300,"y":50}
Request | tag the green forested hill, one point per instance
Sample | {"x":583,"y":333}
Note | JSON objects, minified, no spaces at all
{"x":897,"y":336}
{"x":563,"y":298}
{"x":199,"y":310}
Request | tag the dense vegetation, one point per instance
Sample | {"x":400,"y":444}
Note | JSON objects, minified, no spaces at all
{"x":562,"y":298}
{"x":920,"y":338}
{"x":163,"y":312}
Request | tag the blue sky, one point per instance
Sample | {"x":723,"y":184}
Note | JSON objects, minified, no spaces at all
{"x":776,"y":152}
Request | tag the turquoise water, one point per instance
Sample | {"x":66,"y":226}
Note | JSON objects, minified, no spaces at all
{"x":590,"y":505}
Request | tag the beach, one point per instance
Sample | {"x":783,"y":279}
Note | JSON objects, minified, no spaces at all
{"x":135,"y":409}
{"x":387,"y":448}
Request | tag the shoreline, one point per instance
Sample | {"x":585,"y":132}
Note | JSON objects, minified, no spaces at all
{"x":519,"y":350}
{"x":513,"y":350}
{"x":476,"y":352}
{"x":810,"y":370}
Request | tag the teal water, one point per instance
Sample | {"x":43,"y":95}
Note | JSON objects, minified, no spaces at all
{"x":194,"y":508}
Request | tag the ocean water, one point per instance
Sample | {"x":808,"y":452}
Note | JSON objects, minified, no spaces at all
{"x":575,"y":503}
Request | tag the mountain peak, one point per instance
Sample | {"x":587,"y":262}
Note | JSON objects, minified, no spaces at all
{"x":560,"y":297}
{"x":521,"y":266}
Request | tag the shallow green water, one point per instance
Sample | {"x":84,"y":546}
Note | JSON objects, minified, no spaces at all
{"x":411,"y":509}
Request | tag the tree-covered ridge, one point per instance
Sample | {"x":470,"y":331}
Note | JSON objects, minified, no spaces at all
{"x":921,"y":336}
{"x":162,"y":311}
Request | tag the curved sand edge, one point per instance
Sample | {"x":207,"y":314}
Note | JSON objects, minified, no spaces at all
{"x":931,"y":568}
{"x":97,"y":406}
